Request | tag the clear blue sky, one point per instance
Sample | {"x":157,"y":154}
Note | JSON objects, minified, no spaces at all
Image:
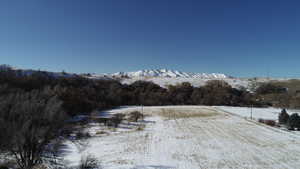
{"x":237,"y":37}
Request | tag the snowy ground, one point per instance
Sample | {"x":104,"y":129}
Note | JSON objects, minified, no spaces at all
{"x":191,"y":137}
{"x":264,"y":113}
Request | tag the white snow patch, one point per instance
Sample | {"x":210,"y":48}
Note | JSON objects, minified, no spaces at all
{"x":223,"y":141}
{"x":270,"y":113}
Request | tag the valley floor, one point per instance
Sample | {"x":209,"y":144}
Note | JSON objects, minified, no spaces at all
{"x":191,"y":137}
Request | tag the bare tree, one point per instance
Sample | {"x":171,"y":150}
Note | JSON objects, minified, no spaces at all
{"x":28,"y":122}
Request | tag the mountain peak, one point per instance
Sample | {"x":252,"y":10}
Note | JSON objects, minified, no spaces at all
{"x":170,"y":73}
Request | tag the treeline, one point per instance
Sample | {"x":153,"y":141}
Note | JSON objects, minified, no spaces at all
{"x":284,"y":94}
{"x":290,"y":121}
{"x":82,"y":95}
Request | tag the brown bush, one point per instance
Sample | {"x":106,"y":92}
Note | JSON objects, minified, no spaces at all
{"x":135,"y":116}
{"x":82,"y":135}
{"x":82,"y":95}
{"x":261,"y":120}
{"x":267,"y":122}
{"x":117,"y":119}
{"x":270,"y":122}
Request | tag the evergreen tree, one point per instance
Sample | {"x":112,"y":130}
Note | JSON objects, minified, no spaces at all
{"x":294,"y":121}
{"x":283,"y":117}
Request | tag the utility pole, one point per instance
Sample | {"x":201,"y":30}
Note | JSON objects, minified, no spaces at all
{"x":142,"y":109}
{"x":251,"y":111}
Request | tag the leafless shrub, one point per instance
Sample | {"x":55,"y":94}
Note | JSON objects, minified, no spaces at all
{"x":103,"y":120}
{"x":116,"y":120}
{"x":82,"y":135}
{"x":268,"y":122}
{"x":28,"y":122}
{"x":89,"y":162}
{"x":135,"y":116}
{"x":120,"y":116}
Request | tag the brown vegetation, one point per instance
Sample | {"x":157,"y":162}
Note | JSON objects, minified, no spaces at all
{"x":135,"y":116}
{"x":28,"y":122}
{"x":81,"y":95}
{"x":170,"y":113}
{"x":267,"y":122}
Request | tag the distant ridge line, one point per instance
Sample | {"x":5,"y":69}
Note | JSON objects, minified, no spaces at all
{"x":169,"y":73}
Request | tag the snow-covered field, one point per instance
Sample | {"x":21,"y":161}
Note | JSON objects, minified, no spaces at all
{"x":264,"y":113}
{"x":191,"y":137}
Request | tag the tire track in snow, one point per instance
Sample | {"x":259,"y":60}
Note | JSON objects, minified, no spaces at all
{"x":268,"y":141}
{"x":190,"y":125}
{"x":185,"y":129}
{"x":254,"y":146}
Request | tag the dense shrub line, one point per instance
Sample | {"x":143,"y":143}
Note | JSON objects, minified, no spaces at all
{"x":82,"y":95}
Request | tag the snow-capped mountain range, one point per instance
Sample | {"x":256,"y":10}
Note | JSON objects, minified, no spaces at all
{"x":162,"y":77}
{"x":163,"y":73}
{"x":169,"y":73}
{"x":160,"y":73}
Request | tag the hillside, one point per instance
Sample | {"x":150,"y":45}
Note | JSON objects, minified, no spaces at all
{"x":162,"y":77}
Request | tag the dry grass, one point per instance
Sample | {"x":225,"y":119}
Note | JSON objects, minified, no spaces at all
{"x":141,"y":127}
{"x":101,"y":132}
{"x":169,"y":113}
{"x":40,"y":166}
{"x":112,"y":129}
